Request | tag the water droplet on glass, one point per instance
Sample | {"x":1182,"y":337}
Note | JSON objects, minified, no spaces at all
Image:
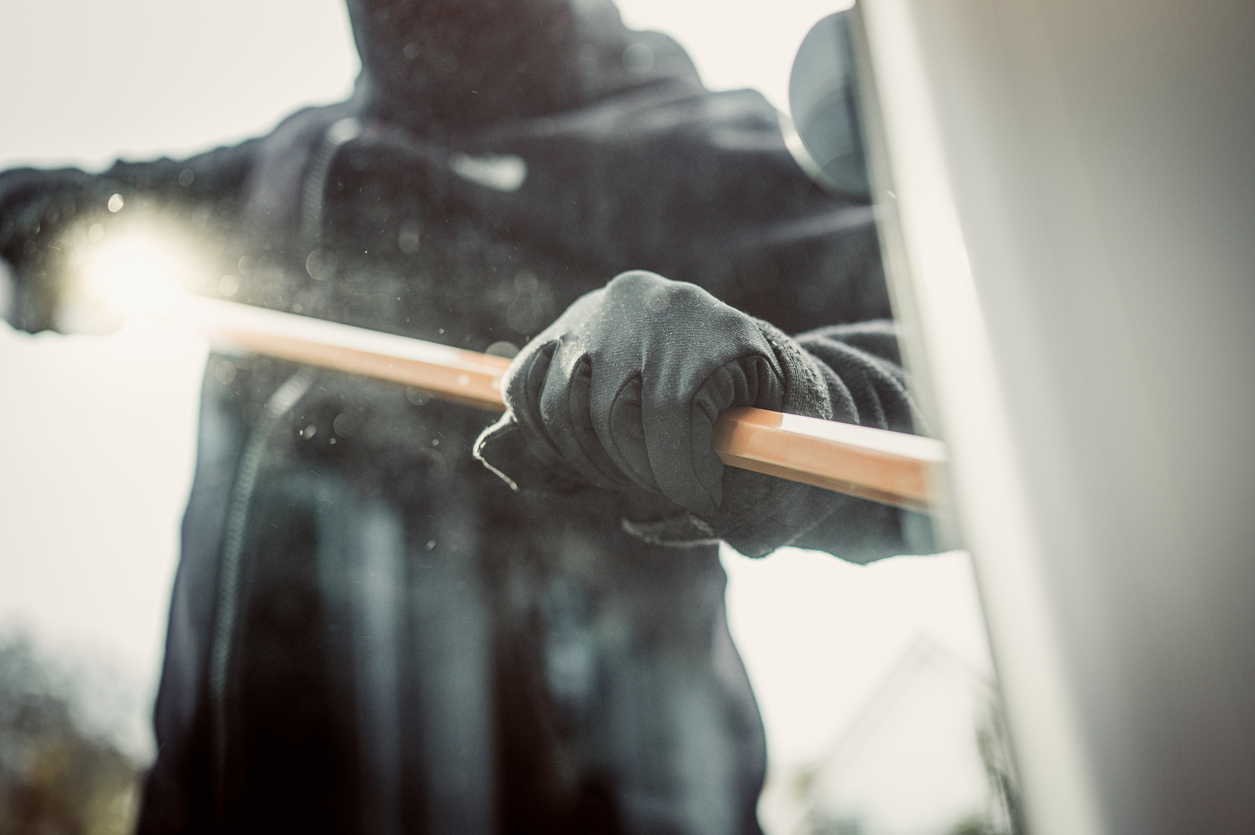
{"x":638,"y":59}
{"x":225,"y":372}
{"x":407,"y":237}
{"x":309,"y":431}
{"x":525,"y":315}
{"x":464,"y":380}
{"x":503,"y":349}
{"x":526,"y":283}
{"x":433,"y":462}
{"x":435,"y":442}
{"x":417,"y":396}
{"x":449,"y":63}
{"x":246,"y":265}
{"x":321,"y":264}
{"x":431,"y":543}
{"x":343,"y":425}
{"x":186,"y":177}
{"x":411,"y":51}
{"x":115,"y":203}
{"x":95,"y":233}
{"x":229,"y":286}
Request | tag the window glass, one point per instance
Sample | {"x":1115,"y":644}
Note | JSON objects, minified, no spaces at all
{"x":453,"y":668}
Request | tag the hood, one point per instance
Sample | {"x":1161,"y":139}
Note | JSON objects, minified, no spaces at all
{"x":438,"y":66}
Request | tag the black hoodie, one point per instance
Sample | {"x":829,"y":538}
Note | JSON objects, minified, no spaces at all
{"x":445,"y":65}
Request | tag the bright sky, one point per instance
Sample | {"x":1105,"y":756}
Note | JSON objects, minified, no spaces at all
{"x":98,"y":432}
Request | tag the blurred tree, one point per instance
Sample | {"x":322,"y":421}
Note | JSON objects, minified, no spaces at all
{"x":1005,"y":817}
{"x":994,"y":743}
{"x":54,"y":777}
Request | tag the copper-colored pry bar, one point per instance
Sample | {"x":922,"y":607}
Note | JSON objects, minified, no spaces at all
{"x":890,"y":467}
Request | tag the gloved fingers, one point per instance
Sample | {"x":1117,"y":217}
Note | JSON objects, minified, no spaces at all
{"x":525,"y":377}
{"x":758,"y":382}
{"x":617,"y":420}
{"x":524,"y":380}
{"x":683,"y":473}
{"x":679,"y":436}
{"x":625,"y":387}
{"x":567,"y":420}
{"x":524,"y":387}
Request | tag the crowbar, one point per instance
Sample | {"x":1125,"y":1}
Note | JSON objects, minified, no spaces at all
{"x":890,"y":467}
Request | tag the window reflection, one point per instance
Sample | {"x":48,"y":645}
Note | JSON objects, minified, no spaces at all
{"x":455,"y":662}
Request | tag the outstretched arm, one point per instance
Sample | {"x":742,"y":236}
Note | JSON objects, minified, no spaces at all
{"x":38,"y":206}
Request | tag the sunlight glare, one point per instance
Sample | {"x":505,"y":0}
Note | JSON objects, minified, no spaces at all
{"x":136,"y":273}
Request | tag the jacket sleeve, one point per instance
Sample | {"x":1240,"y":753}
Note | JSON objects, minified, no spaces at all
{"x":37,"y":207}
{"x":864,"y":360}
{"x":863,"y":383}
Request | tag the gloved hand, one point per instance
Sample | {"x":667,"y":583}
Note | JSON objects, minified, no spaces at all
{"x":623,"y":390}
{"x":30,"y":219}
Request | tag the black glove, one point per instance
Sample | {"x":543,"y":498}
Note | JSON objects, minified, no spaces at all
{"x":34,"y":206}
{"x":622,"y":393}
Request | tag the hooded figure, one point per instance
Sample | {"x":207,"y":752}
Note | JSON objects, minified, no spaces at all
{"x":372,"y":631}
